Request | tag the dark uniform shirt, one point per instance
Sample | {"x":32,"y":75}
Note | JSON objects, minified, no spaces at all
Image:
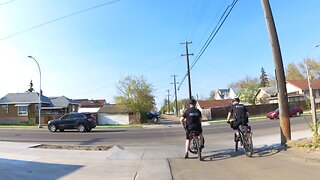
{"x":193,"y":119}
{"x":238,"y":111}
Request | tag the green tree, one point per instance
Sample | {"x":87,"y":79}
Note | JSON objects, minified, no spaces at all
{"x":248,"y":89}
{"x":264,"y":81}
{"x":136,"y":93}
{"x":293,"y":73}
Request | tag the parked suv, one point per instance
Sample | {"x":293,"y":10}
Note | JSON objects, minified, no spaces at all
{"x":80,"y":121}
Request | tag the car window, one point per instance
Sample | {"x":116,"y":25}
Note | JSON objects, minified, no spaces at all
{"x":89,"y":115}
{"x":65,"y":117}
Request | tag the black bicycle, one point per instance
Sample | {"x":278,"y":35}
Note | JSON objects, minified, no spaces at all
{"x":245,"y":139}
{"x":195,"y":143}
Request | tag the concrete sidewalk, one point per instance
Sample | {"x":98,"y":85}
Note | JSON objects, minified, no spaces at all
{"x":19,"y":161}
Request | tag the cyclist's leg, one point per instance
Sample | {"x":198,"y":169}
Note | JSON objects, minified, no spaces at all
{"x":187,"y":144}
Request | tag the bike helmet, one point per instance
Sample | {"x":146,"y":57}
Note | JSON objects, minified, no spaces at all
{"x":193,"y":102}
{"x":236,"y":99}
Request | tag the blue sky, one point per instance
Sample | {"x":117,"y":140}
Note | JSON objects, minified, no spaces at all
{"x":85,"y":55}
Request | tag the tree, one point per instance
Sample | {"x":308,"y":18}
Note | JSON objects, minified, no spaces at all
{"x":313,"y":67}
{"x":293,"y":73}
{"x":264,"y":81}
{"x":248,"y":92}
{"x":248,"y":89}
{"x":136,"y":93}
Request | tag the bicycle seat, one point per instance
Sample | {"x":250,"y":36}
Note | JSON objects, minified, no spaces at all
{"x":194,"y":133}
{"x":246,"y":128}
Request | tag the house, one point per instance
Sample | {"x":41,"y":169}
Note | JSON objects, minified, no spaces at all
{"x":225,"y":93}
{"x":205,"y":106}
{"x":299,"y":89}
{"x":17,"y":108}
{"x":265,"y":94}
{"x":116,"y":114}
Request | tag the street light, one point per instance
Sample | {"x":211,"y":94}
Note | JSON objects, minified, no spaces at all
{"x":312,"y":100}
{"x":40,"y":92}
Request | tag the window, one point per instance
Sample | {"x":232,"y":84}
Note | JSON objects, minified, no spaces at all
{"x":5,"y":108}
{"x":22,"y":110}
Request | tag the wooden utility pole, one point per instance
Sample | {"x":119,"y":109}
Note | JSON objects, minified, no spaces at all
{"x":175,"y":93}
{"x":188,"y":66}
{"x":282,"y":90}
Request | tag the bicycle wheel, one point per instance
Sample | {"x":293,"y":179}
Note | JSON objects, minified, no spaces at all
{"x":248,"y":144}
{"x":198,"y":149}
{"x":236,"y":140}
{"x":193,"y":146}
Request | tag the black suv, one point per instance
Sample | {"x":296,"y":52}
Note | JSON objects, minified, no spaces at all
{"x":80,"y":121}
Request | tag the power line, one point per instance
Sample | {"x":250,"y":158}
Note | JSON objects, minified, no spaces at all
{"x":215,"y":31}
{"x":7,"y":2}
{"x":57,"y":19}
{"x":212,"y":35}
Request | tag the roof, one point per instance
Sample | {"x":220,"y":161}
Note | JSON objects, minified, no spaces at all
{"x":303,"y":84}
{"x":26,"y":97}
{"x":115,"y":109}
{"x":205,"y":104}
{"x":61,"y":101}
{"x":270,"y":90}
{"x":33,"y":98}
{"x":91,"y":103}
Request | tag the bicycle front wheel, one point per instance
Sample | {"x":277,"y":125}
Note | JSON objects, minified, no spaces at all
{"x":248,"y":144}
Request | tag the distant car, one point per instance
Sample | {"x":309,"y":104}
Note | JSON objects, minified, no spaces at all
{"x":154,"y":116}
{"x":80,"y":121}
{"x":293,"y":111}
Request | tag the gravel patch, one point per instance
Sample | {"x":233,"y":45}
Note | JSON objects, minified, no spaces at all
{"x":74,"y":147}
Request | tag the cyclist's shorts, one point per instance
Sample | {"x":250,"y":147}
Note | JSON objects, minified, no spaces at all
{"x":199,"y":129}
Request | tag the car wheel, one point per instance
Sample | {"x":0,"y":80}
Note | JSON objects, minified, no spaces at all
{"x":298,"y":114}
{"x":52,"y":127}
{"x":81,"y":128}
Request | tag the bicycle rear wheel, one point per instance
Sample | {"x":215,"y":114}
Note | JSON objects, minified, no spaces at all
{"x":193,"y":146}
{"x":236,"y":140}
{"x":248,"y":144}
{"x":199,"y":149}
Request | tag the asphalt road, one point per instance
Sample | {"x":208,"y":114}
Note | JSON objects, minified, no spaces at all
{"x":147,"y":149}
{"x":163,"y":134}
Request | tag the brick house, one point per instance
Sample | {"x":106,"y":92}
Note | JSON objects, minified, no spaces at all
{"x":18,"y":108}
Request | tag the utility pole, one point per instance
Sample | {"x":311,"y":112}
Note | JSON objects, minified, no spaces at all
{"x":175,"y":93}
{"x":312,"y":99}
{"x":188,"y":66}
{"x":282,"y":90}
{"x":168,"y":101}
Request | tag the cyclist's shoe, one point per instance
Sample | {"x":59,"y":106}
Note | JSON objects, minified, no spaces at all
{"x":201,"y":146}
{"x":186,"y":155}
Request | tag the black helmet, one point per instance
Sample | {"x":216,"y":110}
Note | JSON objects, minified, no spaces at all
{"x":193,"y":102}
{"x":236,"y":99}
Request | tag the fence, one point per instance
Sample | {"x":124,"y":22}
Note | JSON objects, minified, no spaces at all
{"x":254,"y":110}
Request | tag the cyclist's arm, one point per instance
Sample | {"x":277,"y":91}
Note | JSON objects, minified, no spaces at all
{"x":182,"y":122}
{"x":229,"y":116}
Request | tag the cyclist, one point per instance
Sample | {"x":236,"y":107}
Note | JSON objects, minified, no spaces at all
{"x":191,"y":121}
{"x":239,"y":113}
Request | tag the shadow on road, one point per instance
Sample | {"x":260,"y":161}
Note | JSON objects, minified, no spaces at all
{"x":260,"y":152}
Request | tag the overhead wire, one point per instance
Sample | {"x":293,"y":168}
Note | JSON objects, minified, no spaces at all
{"x":57,"y":19}
{"x":7,"y":2}
{"x":221,"y":21}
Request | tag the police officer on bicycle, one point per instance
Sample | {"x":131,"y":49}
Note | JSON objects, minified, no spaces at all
{"x":239,"y":114}
{"x":191,"y":121}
